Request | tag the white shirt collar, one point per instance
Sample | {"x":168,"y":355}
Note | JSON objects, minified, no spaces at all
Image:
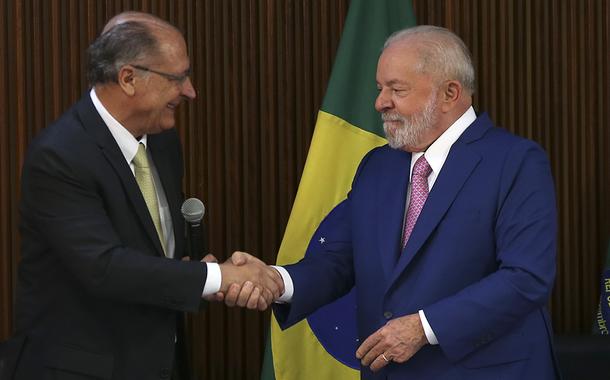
{"x":126,"y":141}
{"x":437,"y":153}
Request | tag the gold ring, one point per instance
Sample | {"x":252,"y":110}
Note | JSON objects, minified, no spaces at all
{"x":384,"y":358}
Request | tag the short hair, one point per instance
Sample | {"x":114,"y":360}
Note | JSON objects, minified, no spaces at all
{"x":441,"y":52}
{"x":128,"y":42}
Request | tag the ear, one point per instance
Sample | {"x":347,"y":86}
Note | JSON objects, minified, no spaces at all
{"x":451,"y":93}
{"x":127,"y":78}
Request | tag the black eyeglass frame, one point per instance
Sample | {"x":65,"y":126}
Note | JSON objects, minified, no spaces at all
{"x":171,"y":77}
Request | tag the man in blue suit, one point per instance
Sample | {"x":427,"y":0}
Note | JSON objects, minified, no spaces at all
{"x":448,"y":233}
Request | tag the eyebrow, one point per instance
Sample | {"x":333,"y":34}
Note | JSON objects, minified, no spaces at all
{"x":184,"y":73}
{"x":395,"y":82}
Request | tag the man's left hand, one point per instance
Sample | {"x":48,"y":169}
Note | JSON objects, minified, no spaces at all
{"x":397,"y":341}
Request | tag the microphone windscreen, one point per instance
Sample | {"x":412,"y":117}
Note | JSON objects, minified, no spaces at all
{"x":192,"y":210}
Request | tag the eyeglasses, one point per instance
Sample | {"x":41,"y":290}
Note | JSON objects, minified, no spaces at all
{"x":171,"y":77}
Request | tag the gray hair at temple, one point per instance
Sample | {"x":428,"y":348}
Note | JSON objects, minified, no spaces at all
{"x":442,"y":54}
{"x":125,"y":43}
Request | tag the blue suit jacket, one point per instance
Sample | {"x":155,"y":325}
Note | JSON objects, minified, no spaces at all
{"x":480,"y":261}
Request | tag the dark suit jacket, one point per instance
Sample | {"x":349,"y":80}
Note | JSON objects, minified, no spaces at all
{"x":95,"y":296}
{"x":480,"y":261}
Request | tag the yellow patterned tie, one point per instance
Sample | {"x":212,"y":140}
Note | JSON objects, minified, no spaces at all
{"x":145,"y":181}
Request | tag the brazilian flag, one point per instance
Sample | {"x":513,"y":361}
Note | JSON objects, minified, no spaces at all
{"x":347,"y":127}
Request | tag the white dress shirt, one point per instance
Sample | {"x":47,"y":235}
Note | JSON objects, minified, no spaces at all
{"x":436,"y":154}
{"x":128,"y":145}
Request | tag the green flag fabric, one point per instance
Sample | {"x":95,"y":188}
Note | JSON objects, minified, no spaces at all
{"x":347,"y":127}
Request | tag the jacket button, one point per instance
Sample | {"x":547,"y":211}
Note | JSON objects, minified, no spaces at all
{"x":164,"y":373}
{"x":388,"y":315}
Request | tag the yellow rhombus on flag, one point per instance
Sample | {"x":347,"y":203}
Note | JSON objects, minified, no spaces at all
{"x":346,"y":129}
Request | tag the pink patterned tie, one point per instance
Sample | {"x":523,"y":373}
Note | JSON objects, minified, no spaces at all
{"x":419,"y":194}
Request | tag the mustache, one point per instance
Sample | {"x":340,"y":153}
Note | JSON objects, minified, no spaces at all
{"x":388,"y":116}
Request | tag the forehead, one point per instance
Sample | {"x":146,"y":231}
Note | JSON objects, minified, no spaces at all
{"x":172,"y":47}
{"x":399,"y":62}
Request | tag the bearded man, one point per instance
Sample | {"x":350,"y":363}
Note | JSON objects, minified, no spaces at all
{"x":448,"y":233}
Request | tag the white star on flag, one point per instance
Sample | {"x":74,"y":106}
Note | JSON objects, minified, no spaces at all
{"x":322,"y":240}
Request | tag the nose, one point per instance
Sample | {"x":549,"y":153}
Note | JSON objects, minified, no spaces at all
{"x":188,"y":90}
{"x":383,"y":101}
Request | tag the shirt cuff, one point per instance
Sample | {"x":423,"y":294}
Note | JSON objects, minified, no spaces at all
{"x":427,"y":329}
{"x":213,"y":281}
{"x":286,"y":297}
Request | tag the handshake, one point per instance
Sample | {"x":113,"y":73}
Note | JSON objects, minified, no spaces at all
{"x":247,"y":282}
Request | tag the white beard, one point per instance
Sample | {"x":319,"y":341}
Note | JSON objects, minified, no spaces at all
{"x":412,"y":128}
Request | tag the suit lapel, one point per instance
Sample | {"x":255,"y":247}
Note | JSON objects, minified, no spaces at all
{"x":392,"y":190}
{"x":459,"y":165}
{"x":95,"y":126}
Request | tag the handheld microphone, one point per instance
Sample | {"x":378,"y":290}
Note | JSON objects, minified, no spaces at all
{"x":192,"y":210}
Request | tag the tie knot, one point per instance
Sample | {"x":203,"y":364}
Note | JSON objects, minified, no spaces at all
{"x":422,"y":167}
{"x":140,"y":160}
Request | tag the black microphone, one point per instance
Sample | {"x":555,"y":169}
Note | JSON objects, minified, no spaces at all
{"x":192,"y":211}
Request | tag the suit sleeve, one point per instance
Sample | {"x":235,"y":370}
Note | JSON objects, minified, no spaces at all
{"x":61,"y":204}
{"x":326,"y":273}
{"x":525,"y":235}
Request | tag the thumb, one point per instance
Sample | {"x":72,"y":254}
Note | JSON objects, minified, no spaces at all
{"x":239,"y":258}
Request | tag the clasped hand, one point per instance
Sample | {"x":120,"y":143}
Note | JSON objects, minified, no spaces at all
{"x":248,"y":282}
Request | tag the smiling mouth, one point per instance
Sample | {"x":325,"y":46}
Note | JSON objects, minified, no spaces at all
{"x":172,"y":106}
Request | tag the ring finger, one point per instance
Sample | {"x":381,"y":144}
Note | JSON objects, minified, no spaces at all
{"x":380,"y":362}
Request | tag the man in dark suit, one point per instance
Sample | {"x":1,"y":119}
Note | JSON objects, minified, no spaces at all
{"x":101,"y":281}
{"x":448,"y":233}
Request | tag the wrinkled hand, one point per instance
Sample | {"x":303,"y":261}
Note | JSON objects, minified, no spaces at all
{"x":398,"y":341}
{"x":249,"y":282}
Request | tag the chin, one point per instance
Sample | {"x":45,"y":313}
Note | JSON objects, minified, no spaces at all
{"x":168,"y":125}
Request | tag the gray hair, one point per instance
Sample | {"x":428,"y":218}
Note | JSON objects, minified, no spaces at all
{"x":129,"y":42}
{"x":442,"y":53}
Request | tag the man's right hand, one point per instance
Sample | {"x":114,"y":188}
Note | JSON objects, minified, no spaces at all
{"x":249,"y":282}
